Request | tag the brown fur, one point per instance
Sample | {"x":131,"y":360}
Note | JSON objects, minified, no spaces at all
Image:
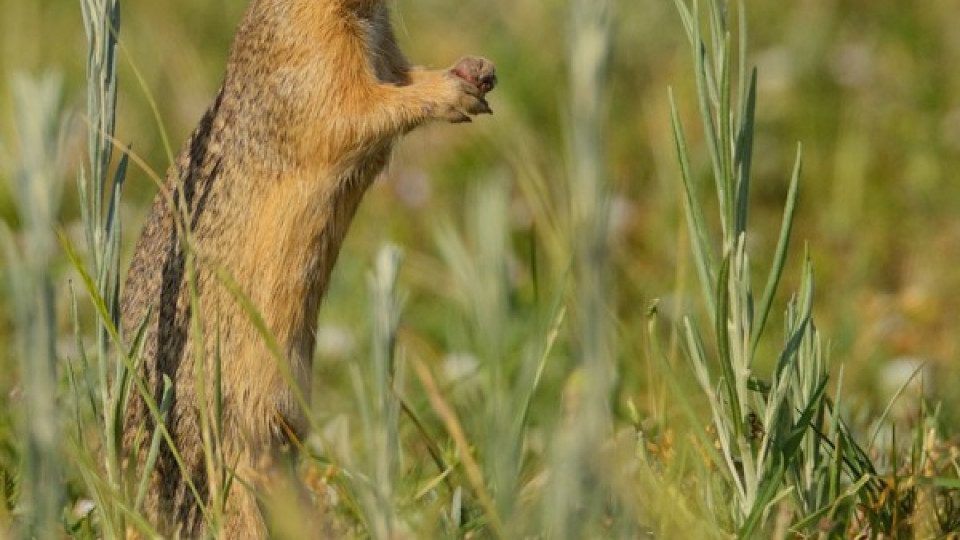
{"x":315,"y":94}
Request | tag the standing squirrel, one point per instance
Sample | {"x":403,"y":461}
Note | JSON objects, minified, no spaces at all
{"x":316,"y":93}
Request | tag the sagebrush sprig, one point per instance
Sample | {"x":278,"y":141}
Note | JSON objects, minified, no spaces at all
{"x":37,"y":186}
{"x":779,"y":440}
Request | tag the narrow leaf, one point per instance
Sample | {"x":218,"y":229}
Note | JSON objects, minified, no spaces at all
{"x":780,"y":257}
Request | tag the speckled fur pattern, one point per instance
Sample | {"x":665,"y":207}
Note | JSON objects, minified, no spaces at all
{"x":316,"y":92}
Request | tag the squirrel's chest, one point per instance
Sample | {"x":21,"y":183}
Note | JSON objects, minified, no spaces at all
{"x":298,"y":226}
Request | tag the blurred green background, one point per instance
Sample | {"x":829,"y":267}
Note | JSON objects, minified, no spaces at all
{"x":871,"y":89}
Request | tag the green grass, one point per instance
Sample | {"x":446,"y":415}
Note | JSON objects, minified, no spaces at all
{"x":609,"y":311}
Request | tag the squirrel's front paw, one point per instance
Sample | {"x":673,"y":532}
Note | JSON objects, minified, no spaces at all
{"x":472,"y":78}
{"x":479,"y":71}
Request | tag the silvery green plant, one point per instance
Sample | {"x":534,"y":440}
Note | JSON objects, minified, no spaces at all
{"x":100,"y":380}
{"x":375,"y":383}
{"x":578,"y":495}
{"x":782,"y":441}
{"x":100,"y":199}
{"x":511,"y":347}
{"x":29,"y":255}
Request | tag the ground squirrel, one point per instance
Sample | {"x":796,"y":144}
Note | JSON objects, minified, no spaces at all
{"x":316,"y":93}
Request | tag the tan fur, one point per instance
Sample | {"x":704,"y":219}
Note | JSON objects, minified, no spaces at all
{"x":315,"y":94}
